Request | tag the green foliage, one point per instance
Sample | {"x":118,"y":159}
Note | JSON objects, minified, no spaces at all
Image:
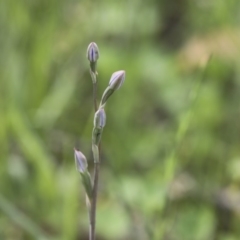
{"x":170,"y":153}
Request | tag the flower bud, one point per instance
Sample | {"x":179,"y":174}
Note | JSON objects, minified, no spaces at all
{"x":99,"y":118}
{"x":81,"y":165}
{"x":117,"y":80}
{"x":92,"y":52}
{"x":115,"y":83}
{"x":99,"y":123}
{"x":80,"y":161}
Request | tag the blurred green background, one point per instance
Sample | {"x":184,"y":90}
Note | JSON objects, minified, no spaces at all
{"x":171,"y":147}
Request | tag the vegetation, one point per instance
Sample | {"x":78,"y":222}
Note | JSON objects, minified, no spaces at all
{"x":170,"y":159}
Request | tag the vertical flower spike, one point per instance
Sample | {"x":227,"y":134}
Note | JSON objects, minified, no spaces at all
{"x":116,"y":81}
{"x":93,"y":55}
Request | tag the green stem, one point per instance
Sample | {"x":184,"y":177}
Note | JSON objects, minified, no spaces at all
{"x":92,"y":214}
{"x":94,"y":81}
{"x":94,"y":202}
{"x":95,"y":96}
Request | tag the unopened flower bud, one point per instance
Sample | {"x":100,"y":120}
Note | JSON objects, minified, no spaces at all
{"x":80,"y":161}
{"x":115,"y":83}
{"x":81,"y":165}
{"x":92,"y":52}
{"x":99,"y":118}
{"x":117,"y":80}
{"x":99,"y":123}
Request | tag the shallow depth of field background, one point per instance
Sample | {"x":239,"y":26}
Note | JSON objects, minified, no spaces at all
{"x":171,"y":148}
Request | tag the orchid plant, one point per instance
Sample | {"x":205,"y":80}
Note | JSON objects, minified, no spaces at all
{"x":90,"y":183}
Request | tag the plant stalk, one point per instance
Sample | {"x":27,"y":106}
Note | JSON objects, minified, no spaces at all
{"x":93,"y":206}
{"x":94,"y":202}
{"x":95,"y":96}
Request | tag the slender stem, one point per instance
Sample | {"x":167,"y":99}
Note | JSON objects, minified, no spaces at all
{"x":92,"y":214}
{"x":95,"y":96}
{"x":88,"y":203}
{"x":94,"y":202}
{"x":94,"y":80}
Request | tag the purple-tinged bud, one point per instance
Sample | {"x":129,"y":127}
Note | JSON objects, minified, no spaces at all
{"x":99,"y":123}
{"x":115,"y":83}
{"x":80,"y":161}
{"x":117,"y":79}
{"x":92,"y":52}
{"x":100,"y":118}
{"x":81,"y":165}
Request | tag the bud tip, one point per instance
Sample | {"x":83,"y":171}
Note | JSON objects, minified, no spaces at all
{"x":80,"y":161}
{"x":117,"y":79}
{"x":100,"y":118}
{"x":92,"y":52}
